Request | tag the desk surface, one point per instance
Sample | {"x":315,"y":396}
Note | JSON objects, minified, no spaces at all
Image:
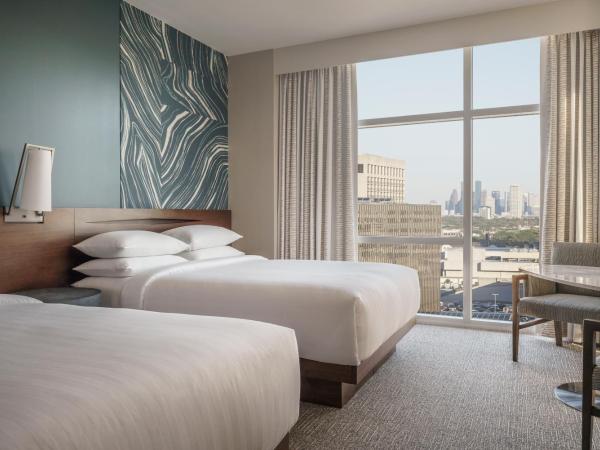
{"x":577,"y":276}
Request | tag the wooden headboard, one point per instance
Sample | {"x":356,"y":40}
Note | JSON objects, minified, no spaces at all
{"x":41,"y":255}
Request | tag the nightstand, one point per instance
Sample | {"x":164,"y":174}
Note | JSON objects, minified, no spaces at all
{"x":68,"y":295}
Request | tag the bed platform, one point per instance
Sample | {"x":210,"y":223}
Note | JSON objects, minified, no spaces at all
{"x":335,"y":384}
{"x":284,"y":444}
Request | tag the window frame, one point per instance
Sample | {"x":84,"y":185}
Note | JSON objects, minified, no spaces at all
{"x":467,"y":115}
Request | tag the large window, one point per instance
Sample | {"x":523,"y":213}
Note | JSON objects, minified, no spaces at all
{"x":448,"y":179}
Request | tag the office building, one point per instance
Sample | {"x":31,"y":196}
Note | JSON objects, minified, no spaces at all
{"x":380,"y":179}
{"x":515,"y":202}
{"x":405,"y":220}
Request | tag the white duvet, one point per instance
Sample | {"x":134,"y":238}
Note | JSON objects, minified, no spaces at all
{"x":76,"y":377}
{"x":341,"y":312}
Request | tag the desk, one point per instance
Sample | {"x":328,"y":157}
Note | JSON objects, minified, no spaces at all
{"x":577,"y":276}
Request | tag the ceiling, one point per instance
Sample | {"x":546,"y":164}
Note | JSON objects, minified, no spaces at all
{"x":242,"y":26}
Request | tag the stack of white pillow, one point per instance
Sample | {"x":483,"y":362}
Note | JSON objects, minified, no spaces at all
{"x":127,"y":253}
{"x":205,"y":241}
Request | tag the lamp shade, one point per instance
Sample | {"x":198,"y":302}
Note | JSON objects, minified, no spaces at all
{"x":37,"y":180}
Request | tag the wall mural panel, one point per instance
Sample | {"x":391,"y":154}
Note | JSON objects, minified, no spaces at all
{"x":173,"y":117}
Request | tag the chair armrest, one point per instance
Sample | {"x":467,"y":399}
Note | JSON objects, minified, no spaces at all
{"x":516,"y":291}
{"x":538,"y":286}
{"x":592,"y":326}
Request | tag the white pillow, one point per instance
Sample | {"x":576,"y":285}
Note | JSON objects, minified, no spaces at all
{"x":209,"y":253}
{"x":126,"y":267}
{"x":203,"y":236}
{"x":123,"y":244}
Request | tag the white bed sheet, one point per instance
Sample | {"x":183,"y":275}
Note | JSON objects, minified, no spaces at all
{"x":341,"y":312}
{"x":95,"y":378}
{"x":110,"y":288}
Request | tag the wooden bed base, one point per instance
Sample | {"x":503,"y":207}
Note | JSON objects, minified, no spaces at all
{"x":284,"y":444}
{"x":335,"y":384}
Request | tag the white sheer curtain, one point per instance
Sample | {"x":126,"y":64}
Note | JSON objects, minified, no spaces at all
{"x":571,"y":139}
{"x":317,"y":164}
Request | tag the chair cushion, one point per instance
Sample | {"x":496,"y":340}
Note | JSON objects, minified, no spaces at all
{"x":562,"y":307}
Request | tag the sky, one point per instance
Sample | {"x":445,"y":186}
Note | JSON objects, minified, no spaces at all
{"x":505,"y":150}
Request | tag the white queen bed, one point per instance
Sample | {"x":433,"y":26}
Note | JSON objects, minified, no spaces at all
{"x":75,"y":377}
{"x":347,"y":317}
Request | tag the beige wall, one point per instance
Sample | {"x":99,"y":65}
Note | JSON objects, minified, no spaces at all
{"x":252,"y":95}
{"x":519,"y":23}
{"x":252,"y":157}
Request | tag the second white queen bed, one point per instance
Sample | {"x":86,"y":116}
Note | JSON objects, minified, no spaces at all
{"x":347,"y":316}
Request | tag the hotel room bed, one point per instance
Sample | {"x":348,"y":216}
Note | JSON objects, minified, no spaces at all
{"x":342,"y":313}
{"x":98,"y":378}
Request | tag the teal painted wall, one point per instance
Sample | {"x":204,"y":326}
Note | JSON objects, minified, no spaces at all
{"x":59,"y":86}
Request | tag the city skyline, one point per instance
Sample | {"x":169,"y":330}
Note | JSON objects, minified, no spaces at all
{"x":512,"y":202}
{"x":382,"y":179}
{"x":499,"y":248}
{"x":505,"y":150}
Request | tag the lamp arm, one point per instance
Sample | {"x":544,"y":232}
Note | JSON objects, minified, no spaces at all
{"x":13,"y":198}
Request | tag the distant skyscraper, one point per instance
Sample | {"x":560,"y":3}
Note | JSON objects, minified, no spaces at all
{"x":497,"y":196}
{"x":533,"y":204}
{"x":485,"y":212}
{"x":488,"y":201}
{"x":461,"y":202}
{"x":516,"y":201}
{"x":477,"y":197}
{"x":380,"y":179}
{"x":453,"y":202}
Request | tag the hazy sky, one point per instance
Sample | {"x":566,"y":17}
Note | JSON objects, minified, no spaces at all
{"x":506,"y":151}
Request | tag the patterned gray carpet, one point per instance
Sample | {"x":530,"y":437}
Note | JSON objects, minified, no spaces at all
{"x":450,"y":388}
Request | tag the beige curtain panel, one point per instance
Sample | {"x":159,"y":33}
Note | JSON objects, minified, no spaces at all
{"x":317,"y":164}
{"x":571,"y":152}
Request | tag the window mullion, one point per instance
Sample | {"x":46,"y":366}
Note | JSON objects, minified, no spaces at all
{"x":467,"y":183}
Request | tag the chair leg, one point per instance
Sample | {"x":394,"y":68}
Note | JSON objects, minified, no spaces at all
{"x":558,"y":332}
{"x":589,"y":357}
{"x":516,"y":297}
{"x":515,"y":336}
{"x":586,"y":435}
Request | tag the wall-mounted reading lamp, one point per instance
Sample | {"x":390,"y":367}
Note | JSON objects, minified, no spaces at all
{"x":35,"y":171}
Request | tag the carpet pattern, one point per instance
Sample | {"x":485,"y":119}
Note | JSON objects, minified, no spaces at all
{"x":451,"y":388}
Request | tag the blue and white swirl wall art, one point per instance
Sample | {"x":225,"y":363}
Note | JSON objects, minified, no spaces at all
{"x":173,"y":117}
